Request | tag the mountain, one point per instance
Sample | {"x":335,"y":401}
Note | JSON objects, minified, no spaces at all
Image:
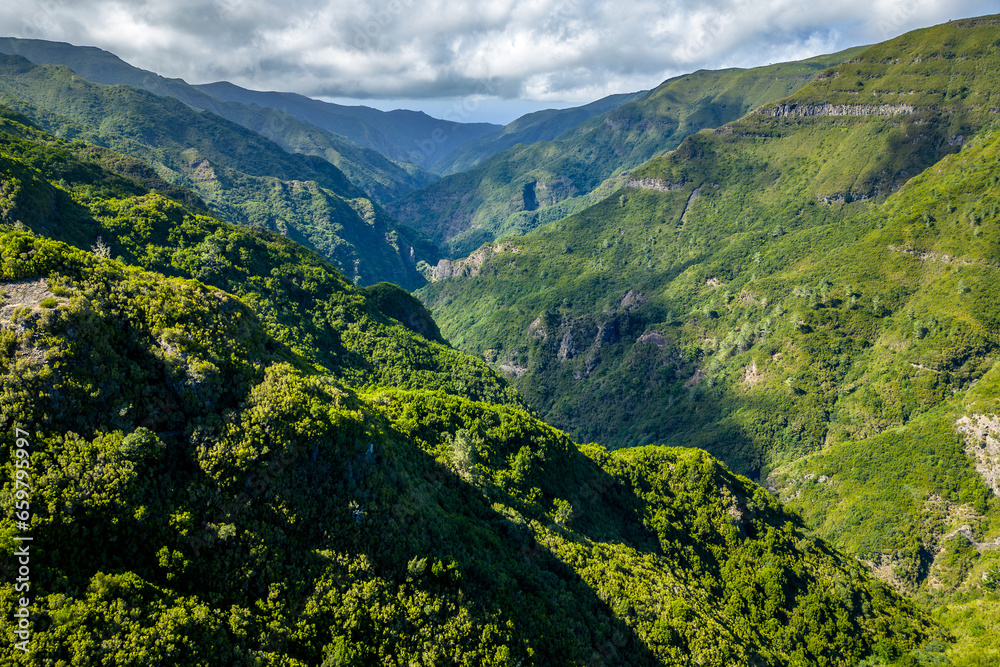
{"x":233,"y":455}
{"x":809,"y":293}
{"x":241,"y":175}
{"x":544,"y":125}
{"x":526,"y":186}
{"x":696,"y":228}
{"x":401,"y":135}
{"x":380,"y":177}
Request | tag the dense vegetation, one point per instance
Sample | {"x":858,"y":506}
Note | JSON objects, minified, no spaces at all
{"x":242,"y":176}
{"x":810,"y":294}
{"x":238,"y":457}
{"x":528,"y":185}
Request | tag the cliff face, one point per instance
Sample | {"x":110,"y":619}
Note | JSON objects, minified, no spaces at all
{"x":470,"y":266}
{"x":983,"y":446}
{"x":792,"y":109}
{"x":654,"y":184}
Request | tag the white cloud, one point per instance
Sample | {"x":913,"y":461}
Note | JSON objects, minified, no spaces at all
{"x":575,"y":50}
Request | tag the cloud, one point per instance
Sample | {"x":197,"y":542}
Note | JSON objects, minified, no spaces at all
{"x":574,"y":50}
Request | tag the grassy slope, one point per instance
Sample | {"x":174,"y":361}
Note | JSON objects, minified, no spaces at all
{"x":269,"y":469}
{"x":753,"y":207}
{"x":544,"y":125}
{"x":526,"y":186}
{"x":242,"y":176}
{"x":899,"y":496}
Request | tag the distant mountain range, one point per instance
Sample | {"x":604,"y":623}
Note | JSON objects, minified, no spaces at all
{"x":379,"y":152}
{"x":241,"y":175}
{"x":401,"y":135}
{"x":367,"y":167}
{"x":528,"y":185}
{"x":538,"y":126}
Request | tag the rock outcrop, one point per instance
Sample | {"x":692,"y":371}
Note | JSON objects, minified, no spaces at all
{"x":653,"y":184}
{"x":471,"y":265}
{"x":982,"y":444}
{"x":790,"y":110}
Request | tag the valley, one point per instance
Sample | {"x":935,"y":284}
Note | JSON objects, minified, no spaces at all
{"x":704,"y":374}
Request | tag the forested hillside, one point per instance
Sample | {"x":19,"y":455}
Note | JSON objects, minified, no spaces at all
{"x":809,"y":293}
{"x":235,"y":456}
{"x":364,"y":160}
{"x":237,"y":444}
{"x":239,"y":174}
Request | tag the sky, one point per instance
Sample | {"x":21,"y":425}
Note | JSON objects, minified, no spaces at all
{"x":491,"y":60}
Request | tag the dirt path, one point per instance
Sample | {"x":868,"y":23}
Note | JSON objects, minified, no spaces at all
{"x":14,"y":295}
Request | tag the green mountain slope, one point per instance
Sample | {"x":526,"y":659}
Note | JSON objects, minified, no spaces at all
{"x":785,"y":294}
{"x":752,"y":207}
{"x":242,"y":176}
{"x":271,"y":466}
{"x":378,"y":176}
{"x":543,"y":125}
{"x":526,"y":186}
{"x":405,"y":136}
{"x":904,"y":487}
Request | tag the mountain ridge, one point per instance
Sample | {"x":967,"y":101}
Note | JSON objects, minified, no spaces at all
{"x":275,"y":465}
{"x":240,"y":174}
{"x":524,"y":187}
{"x":401,"y":135}
{"x":368,"y":169}
{"x":544,"y":125}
